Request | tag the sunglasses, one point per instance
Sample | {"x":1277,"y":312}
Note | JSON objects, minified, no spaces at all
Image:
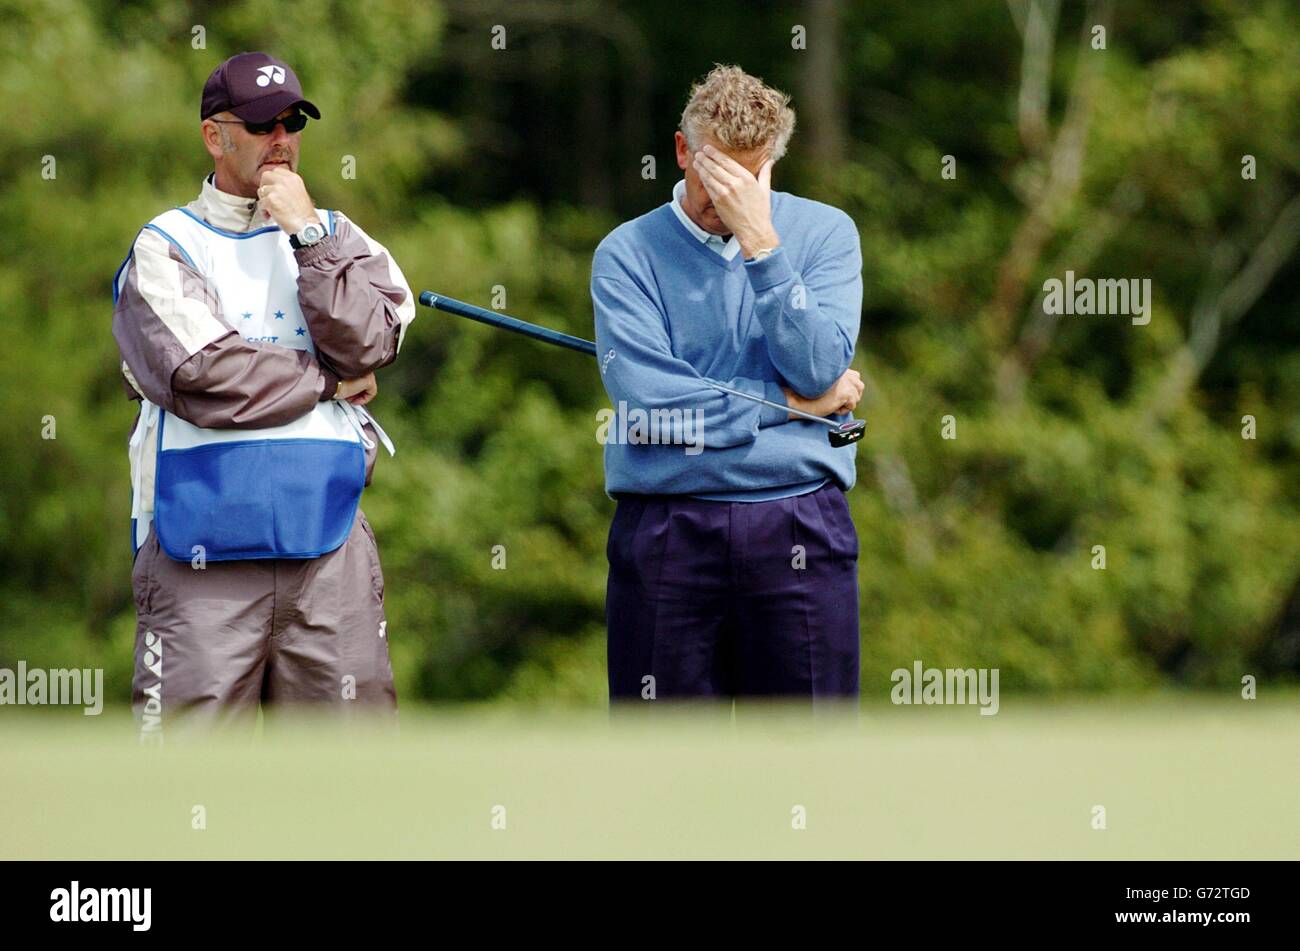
{"x":294,"y":123}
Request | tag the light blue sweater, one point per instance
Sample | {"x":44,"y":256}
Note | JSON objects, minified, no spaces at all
{"x":671,"y":314}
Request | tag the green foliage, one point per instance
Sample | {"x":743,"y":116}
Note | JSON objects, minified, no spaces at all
{"x":478,"y":170}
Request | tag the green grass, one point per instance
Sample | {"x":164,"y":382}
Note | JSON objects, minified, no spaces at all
{"x":1179,"y":776}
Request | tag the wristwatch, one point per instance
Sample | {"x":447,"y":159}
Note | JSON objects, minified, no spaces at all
{"x":761,"y":253}
{"x":309,"y":235}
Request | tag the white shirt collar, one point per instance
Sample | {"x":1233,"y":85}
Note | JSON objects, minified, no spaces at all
{"x":226,"y":211}
{"x":728,"y":249}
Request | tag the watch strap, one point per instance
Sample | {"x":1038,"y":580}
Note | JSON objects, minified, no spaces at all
{"x":298,"y":245}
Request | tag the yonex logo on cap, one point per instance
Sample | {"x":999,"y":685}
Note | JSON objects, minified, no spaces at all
{"x":256,"y":87}
{"x":270,"y":74}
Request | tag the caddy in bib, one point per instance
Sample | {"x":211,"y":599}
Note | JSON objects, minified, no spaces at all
{"x":287,"y":491}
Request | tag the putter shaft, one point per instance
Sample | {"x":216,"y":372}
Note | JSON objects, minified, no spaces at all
{"x":758,"y":399}
{"x":506,"y":322}
{"x":546,"y":335}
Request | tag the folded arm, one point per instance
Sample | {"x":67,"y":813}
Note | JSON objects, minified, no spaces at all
{"x":355,"y":299}
{"x":810,"y":320}
{"x":639,"y":369}
{"x":179,"y":353}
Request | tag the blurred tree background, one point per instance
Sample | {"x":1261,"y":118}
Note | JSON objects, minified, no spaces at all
{"x":480,"y":167}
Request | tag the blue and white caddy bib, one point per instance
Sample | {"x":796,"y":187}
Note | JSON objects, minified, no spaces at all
{"x":286,"y":491}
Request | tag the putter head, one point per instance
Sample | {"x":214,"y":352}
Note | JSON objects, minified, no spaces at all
{"x":848,"y":433}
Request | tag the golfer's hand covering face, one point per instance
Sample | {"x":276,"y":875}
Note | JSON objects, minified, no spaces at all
{"x":743,"y":201}
{"x":284,"y":195}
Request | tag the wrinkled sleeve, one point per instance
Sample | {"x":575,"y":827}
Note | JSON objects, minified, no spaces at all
{"x":810,"y":320}
{"x":640,"y":371}
{"x":179,"y":353}
{"x":355,"y":299}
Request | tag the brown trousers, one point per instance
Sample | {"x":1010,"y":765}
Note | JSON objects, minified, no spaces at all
{"x":212,"y":643}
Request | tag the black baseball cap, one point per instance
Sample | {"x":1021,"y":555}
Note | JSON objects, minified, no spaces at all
{"x":256,"y":87}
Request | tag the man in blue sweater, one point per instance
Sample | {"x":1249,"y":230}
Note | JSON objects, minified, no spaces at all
{"x":732,"y":556}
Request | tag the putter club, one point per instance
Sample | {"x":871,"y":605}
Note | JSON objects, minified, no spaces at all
{"x":841,"y":434}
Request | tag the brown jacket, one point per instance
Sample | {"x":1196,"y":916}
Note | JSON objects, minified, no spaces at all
{"x":182,"y":353}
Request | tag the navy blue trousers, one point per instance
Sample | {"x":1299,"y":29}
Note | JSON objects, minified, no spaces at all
{"x":733,"y":599}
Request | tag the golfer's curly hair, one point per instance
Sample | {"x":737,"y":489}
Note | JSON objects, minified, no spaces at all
{"x":741,"y":111}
